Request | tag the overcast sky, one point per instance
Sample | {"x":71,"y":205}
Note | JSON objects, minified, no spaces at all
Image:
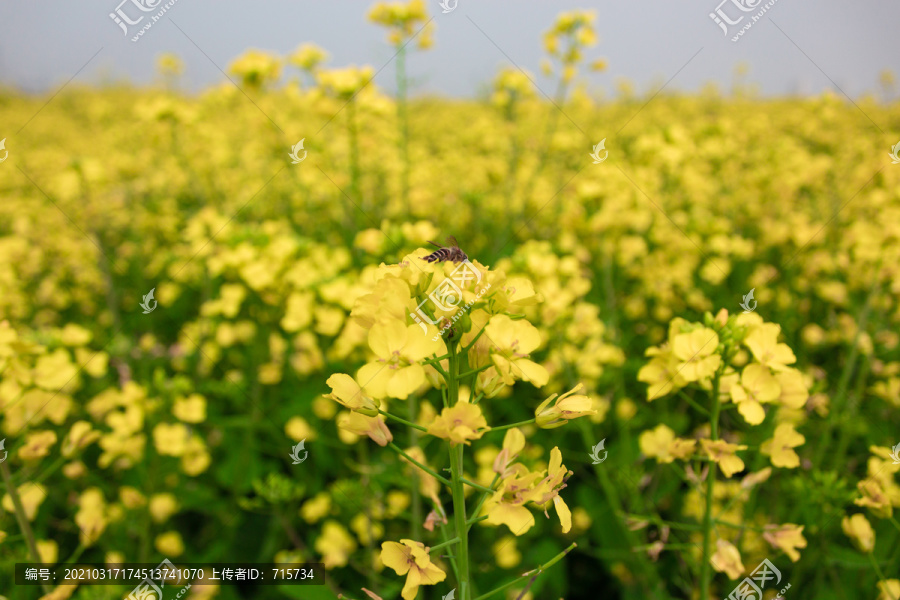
{"x":798,"y":46}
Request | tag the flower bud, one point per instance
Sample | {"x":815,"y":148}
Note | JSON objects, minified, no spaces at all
{"x":565,"y":408}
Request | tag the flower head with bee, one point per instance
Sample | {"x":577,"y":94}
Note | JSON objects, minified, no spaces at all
{"x":488,"y":348}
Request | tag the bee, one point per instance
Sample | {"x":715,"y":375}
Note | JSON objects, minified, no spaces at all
{"x":453,"y":253}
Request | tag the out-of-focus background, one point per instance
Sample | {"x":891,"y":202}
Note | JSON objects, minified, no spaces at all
{"x":195,"y":217}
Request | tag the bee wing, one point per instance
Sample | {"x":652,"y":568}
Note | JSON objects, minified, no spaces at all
{"x":452,"y":241}
{"x":436,"y":245}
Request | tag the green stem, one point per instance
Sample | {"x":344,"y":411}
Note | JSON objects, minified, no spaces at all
{"x":880,"y":574}
{"x":396,"y":449}
{"x":459,"y":517}
{"x":660,"y":522}
{"x":693,"y":403}
{"x":476,"y":486}
{"x":22,"y":519}
{"x":736,"y":526}
{"x":628,"y":537}
{"x":895,"y":523}
{"x":75,"y":555}
{"x":475,"y":339}
{"x":450,"y":556}
{"x":475,"y":371}
{"x":474,"y":520}
{"x":534,"y":573}
{"x":443,"y":544}
{"x":459,"y":497}
{"x":404,"y":421}
{"x":511,"y":425}
{"x":705,"y":572}
{"x":412,"y":409}
{"x":840,"y":399}
{"x":435,"y":360}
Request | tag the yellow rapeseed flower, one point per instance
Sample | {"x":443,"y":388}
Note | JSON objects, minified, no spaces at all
{"x":787,"y":537}
{"x":727,"y":559}
{"x":411,"y":558}
{"x":860,"y":531}
{"x":459,"y":423}
{"x":564,"y":409}
{"x":780,"y":447}
{"x":724,"y":455}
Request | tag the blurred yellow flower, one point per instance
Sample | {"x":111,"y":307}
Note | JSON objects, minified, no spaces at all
{"x":724,"y":455}
{"x":131,"y":497}
{"x":888,"y":589}
{"x":80,"y":436}
{"x":506,"y":553}
{"x":162,"y":506}
{"x":74,"y":335}
{"x":169,"y":543}
{"x":347,"y":82}
{"x":37,"y":445}
{"x":31,"y":495}
{"x":191,"y":409}
{"x":875,"y":498}
{"x":727,"y":559}
{"x":316,"y":508}
{"x":858,"y":529}
{"x":91,"y":518}
{"x":334,"y":544}
{"x":298,"y":429}
{"x":256,"y":68}
{"x":53,"y":371}
{"x":170,"y":439}
{"x":661,"y":443}
{"x":787,"y":537}
{"x":48,"y":550}
{"x":780,"y":447}
{"x":308,"y":56}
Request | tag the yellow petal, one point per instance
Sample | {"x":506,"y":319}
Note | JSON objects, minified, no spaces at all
{"x":565,"y":516}
{"x":395,"y":556}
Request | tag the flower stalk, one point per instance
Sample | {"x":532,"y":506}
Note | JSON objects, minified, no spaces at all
{"x":21,"y":519}
{"x":456,"y":485}
{"x":705,"y":572}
